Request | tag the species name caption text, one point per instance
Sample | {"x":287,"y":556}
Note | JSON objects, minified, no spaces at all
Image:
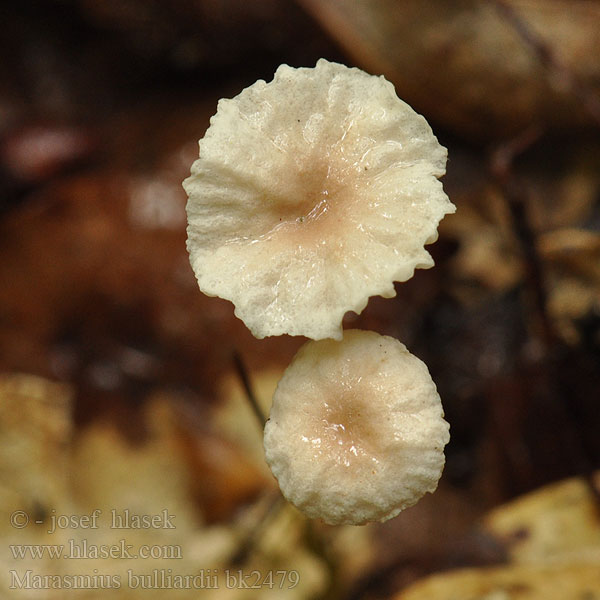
{"x":77,"y":548}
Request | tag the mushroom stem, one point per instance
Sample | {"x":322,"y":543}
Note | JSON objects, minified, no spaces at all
{"x":242,"y":372}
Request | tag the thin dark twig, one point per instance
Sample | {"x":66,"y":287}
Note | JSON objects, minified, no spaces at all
{"x":505,"y":155}
{"x":243,"y":375}
{"x":548,"y":59}
{"x":250,"y":541}
{"x":518,"y":199}
{"x":318,"y":545}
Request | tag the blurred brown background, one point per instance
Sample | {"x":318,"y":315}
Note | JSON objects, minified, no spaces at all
{"x":102,"y":103}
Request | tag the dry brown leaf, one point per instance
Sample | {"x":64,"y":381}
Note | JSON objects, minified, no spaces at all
{"x":35,"y":423}
{"x":525,"y":582}
{"x":552,"y":539}
{"x":464,"y":65}
{"x":35,"y":426}
{"x":561,"y":209}
{"x":559,"y":522}
{"x":104,"y":465}
{"x":488,"y":251}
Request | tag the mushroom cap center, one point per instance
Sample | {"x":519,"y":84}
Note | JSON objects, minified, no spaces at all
{"x":314,"y":205}
{"x":344,"y":429}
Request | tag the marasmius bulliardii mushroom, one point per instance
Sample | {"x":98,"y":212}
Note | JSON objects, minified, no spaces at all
{"x":356,"y":431}
{"x":312,"y":193}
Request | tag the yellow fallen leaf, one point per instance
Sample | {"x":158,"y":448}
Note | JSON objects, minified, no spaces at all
{"x":559,"y":522}
{"x":526,"y":582}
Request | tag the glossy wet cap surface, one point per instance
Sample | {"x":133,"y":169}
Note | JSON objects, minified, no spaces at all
{"x":356,"y":432}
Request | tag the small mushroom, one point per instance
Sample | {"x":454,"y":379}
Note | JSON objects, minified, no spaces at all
{"x":356,"y":431}
{"x":312,"y":193}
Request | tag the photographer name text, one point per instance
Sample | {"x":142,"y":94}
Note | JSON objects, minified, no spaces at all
{"x":115,"y":519}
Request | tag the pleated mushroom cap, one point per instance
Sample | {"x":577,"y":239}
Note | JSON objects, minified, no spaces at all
{"x":356,"y":431}
{"x":312,"y":193}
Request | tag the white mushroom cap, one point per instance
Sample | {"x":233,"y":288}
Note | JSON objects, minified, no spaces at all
{"x":356,"y":431}
{"x":312,"y":193}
